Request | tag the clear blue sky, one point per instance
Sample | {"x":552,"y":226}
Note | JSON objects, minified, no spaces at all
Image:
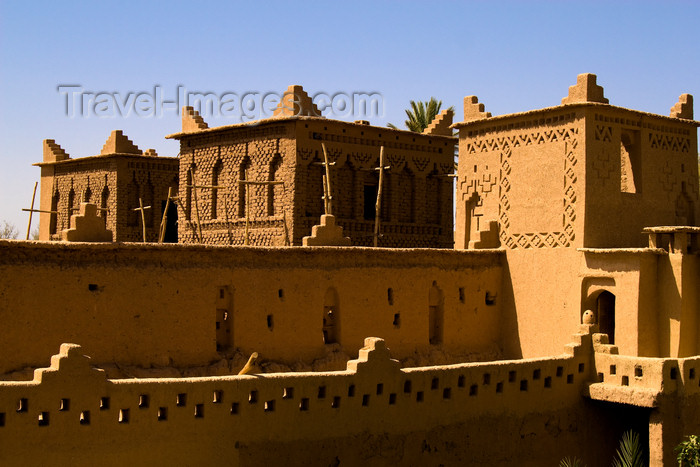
{"x":515,"y":56}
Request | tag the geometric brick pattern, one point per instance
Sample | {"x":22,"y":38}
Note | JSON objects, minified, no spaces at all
{"x":416,"y":194}
{"x":603,"y":133}
{"x":602,"y":166}
{"x":505,"y":145}
{"x":669,"y":142}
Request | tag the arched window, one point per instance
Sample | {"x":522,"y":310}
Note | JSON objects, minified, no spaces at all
{"x":432,"y":198}
{"x":104,"y":203}
{"x":242,"y":187}
{"x":53,"y":223}
{"x":216,"y":174}
{"x":344,"y":192}
{"x":630,"y":162}
{"x":132,"y":192}
{"x":87,"y":195}
{"x":369,"y":192}
{"x":188,"y":193}
{"x":314,"y":203}
{"x":69,"y":206}
{"x":435,"y":315}
{"x":331,"y":317}
{"x":149,"y":200}
{"x":273,"y":189}
{"x":406,"y":196}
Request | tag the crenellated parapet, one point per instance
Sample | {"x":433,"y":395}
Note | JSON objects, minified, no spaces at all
{"x":585,"y":90}
{"x":70,"y":403}
{"x":683,"y":108}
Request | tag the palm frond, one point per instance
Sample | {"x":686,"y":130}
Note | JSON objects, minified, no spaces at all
{"x":629,"y":454}
{"x":571,"y":462}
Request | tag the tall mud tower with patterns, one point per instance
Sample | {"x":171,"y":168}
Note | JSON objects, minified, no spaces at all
{"x":585,"y":174}
{"x":582,"y":174}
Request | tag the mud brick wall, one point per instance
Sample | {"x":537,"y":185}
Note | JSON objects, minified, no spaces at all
{"x":222,"y":159}
{"x":416,"y":208}
{"x":416,"y":193}
{"x":115,"y":183}
{"x":146,"y":178}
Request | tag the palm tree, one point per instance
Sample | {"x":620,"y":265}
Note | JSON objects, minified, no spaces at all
{"x":421,"y":114}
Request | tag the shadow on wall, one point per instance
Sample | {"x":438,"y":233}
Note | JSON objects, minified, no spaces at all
{"x":510,"y":332}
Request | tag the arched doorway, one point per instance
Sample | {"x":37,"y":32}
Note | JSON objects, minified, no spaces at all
{"x":331,"y":317}
{"x":605,"y":307}
{"x":471,"y":223}
{"x":435,"y":315}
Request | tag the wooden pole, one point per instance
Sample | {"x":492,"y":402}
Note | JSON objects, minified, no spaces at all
{"x":164,"y":221}
{"x":31,"y":210}
{"x":327,"y":182}
{"x":378,"y":206}
{"x":246,"y":183}
{"x":286,"y":228}
{"x":143,"y":219}
{"x":196,"y":205}
{"x":142,"y":208}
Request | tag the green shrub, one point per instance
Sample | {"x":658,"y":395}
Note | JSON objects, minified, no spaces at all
{"x":689,"y":452}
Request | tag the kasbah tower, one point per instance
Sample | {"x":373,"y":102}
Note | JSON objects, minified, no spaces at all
{"x":293,"y":291}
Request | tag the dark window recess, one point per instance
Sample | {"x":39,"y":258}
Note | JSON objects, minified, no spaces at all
{"x":43,"y":419}
{"x":490,"y":298}
{"x":370,"y":200}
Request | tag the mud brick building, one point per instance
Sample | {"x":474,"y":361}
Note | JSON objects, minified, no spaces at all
{"x":416,"y":194}
{"x":567,"y":314}
{"x":115,"y":179}
{"x":584,"y":174}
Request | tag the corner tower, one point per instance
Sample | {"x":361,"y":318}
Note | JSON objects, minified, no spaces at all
{"x":581,"y":174}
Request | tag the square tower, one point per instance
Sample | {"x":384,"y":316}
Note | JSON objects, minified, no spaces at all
{"x":115,"y":180}
{"x":581,"y":174}
{"x":230,"y":179}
